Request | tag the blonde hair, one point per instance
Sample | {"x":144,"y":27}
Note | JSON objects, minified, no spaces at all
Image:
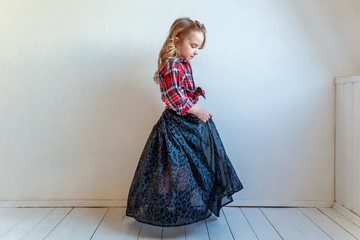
{"x":181,"y":27}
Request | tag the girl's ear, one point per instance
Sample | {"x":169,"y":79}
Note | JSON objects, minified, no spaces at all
{"x":176,"y":39}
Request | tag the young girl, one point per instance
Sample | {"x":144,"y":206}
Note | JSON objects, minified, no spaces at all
{"x":183,"y":174}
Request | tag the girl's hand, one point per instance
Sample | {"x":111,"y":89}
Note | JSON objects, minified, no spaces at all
{"x":203,"y":114}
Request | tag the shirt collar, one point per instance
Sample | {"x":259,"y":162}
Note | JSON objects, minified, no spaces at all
{"x":183,"y":60}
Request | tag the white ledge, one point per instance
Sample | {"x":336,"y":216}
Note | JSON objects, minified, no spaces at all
{"x":347,"y":79}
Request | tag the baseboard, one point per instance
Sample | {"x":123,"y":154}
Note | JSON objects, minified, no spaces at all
{"x":347,"y":213}
{"x":122,"y":203}
{"x":64,"y":203}
{"x":280,"y":203}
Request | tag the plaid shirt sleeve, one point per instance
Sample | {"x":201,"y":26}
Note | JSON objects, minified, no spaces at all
{"x":172,"y":89}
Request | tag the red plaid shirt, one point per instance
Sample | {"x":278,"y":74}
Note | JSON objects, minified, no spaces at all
{"x":177,"y":86}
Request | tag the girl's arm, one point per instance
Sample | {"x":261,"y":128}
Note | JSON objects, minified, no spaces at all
{"x":174,"y":96}
{"x":203,"y":114}
{"x":171,"y":89}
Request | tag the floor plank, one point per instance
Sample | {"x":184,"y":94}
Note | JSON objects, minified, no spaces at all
{"x":9,"y":217}
{"x":327,"y":225}
{"x":43,"y":228}
{"x":148,"y":231}
{"x":342,"y":221}
{"x":249,"y":223}
{"x":218,"y":227}
{"x":28,"y":223}
{"x":109,"y":227}
{"x":197,"y":231}
{"x":305,"y":225}
{"x":129,"y":229}
{"x":80,"y":224}
{"x":239,"y":226}
{"x":177,"y":233}
{"x":260,"y":224}
{"x":283,"y":224}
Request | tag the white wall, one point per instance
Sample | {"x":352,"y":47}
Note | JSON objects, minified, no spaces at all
{"x":347,"y":157}
{"x":77,"y":99}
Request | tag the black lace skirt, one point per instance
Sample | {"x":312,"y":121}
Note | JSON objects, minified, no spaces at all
{"x":183,"y":174}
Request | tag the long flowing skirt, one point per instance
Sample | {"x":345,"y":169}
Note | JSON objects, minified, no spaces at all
{"x":183,"y":174}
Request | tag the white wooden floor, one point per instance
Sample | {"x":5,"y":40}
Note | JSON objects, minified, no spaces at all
{"x":234,"y":223}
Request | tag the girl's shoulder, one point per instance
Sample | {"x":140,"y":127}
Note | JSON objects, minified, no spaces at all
{"x":170,"y":63}
{"x":171,"y":66}
{"x":179,"y":60}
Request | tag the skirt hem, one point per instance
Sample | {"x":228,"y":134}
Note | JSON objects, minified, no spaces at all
{"x":170,"y":225}
{"x":228,"y":195}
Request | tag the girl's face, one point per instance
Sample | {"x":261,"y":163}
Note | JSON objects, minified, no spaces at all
{"x":189,"y":47}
